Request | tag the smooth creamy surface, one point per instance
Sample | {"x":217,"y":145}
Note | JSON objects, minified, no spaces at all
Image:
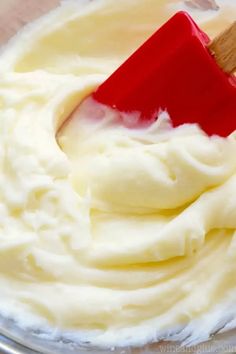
{"x":120,"y":235}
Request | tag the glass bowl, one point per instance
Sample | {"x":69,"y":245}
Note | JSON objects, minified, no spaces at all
{"x":14,"y":340}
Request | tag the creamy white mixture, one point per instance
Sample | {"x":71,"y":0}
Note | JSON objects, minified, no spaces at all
{"x":118,"y":234}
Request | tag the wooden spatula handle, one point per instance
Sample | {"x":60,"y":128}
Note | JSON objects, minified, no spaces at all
{"x":223,"y":48}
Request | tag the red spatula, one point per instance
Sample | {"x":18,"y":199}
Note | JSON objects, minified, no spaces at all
{"x":181,"y":71}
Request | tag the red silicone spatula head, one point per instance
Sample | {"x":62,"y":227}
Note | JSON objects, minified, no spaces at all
{"x":174,"y":71}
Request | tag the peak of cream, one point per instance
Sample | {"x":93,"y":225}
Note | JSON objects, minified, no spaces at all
{"x":117,"y":235}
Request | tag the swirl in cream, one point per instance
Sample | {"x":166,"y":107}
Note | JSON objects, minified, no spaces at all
{"x":118,"y":234}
